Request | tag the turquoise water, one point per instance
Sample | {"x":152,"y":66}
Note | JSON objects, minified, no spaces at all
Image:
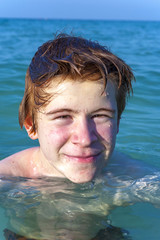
{"x":138,"y":43}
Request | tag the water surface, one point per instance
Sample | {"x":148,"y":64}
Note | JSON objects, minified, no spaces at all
{"x":138,"y":43}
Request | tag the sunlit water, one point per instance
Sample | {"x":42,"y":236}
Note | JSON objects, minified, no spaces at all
{"x":47,"y":207}
{"x":58,"y":209}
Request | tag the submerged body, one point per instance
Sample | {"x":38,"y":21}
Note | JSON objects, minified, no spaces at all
{"x":56,"y":208}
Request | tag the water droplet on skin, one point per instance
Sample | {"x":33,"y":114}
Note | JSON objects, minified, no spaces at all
{"x":106,"y":94}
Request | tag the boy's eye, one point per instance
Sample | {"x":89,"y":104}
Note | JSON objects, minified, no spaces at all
{"x":101,"y":117}
{"x":63,"y":119}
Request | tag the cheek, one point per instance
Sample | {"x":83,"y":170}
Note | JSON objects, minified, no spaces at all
{"x":50,"y":135}
{"x":107,"y":131}
{"x":59,"y":136}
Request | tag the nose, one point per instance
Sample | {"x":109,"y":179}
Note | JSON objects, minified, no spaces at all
{"x":83,"y":133}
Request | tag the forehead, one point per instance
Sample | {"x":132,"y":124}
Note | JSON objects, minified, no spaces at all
{"x":81,"y":95}
{"x":61,"y":85}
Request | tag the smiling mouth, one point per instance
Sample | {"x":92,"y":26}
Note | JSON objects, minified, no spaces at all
{"x":83,"y":159}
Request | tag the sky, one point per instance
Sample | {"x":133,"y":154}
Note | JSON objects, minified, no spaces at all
{"x":81,"y":9}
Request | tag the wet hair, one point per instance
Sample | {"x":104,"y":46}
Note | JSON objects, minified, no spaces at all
{"x":78,"y":58}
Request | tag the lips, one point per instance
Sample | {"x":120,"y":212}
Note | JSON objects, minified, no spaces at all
{"x":83,"y":158}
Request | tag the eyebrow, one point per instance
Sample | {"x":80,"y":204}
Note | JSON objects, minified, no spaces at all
{"x":76,"y":111}
{"x":61,"y":110}
{"x":105,"y":109}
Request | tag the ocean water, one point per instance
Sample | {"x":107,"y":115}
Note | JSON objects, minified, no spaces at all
{"x":138,"y":43}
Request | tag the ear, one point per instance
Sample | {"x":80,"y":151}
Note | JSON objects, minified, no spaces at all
{"x":28,"y":126}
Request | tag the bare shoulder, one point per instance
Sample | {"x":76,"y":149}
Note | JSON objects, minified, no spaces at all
{"x":124,"y":164}
{"x":17,"y":164}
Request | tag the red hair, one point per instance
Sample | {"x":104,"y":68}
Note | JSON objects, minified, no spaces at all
{"x":72,"y":56}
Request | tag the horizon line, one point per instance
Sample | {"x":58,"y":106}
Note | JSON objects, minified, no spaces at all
{"x":79,"y":19}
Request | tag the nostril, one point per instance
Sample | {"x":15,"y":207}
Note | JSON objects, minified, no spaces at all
{"x":84,"y":138}
{"x":83,"y":133}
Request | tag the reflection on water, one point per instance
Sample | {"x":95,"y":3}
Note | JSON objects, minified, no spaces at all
{"x":52,"y":208}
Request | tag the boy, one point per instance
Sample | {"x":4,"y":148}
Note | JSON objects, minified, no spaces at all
{"x":75,"y":93}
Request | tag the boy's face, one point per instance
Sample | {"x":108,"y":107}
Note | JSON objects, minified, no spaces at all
{"x":77,"y":129}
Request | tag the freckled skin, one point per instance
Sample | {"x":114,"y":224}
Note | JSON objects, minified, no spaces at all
{"x":76,"y":131}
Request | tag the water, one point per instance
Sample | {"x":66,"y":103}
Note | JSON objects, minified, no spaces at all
{"x":138,"y":43}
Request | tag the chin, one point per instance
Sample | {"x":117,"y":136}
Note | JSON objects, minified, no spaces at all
{"x":81,"y":178}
